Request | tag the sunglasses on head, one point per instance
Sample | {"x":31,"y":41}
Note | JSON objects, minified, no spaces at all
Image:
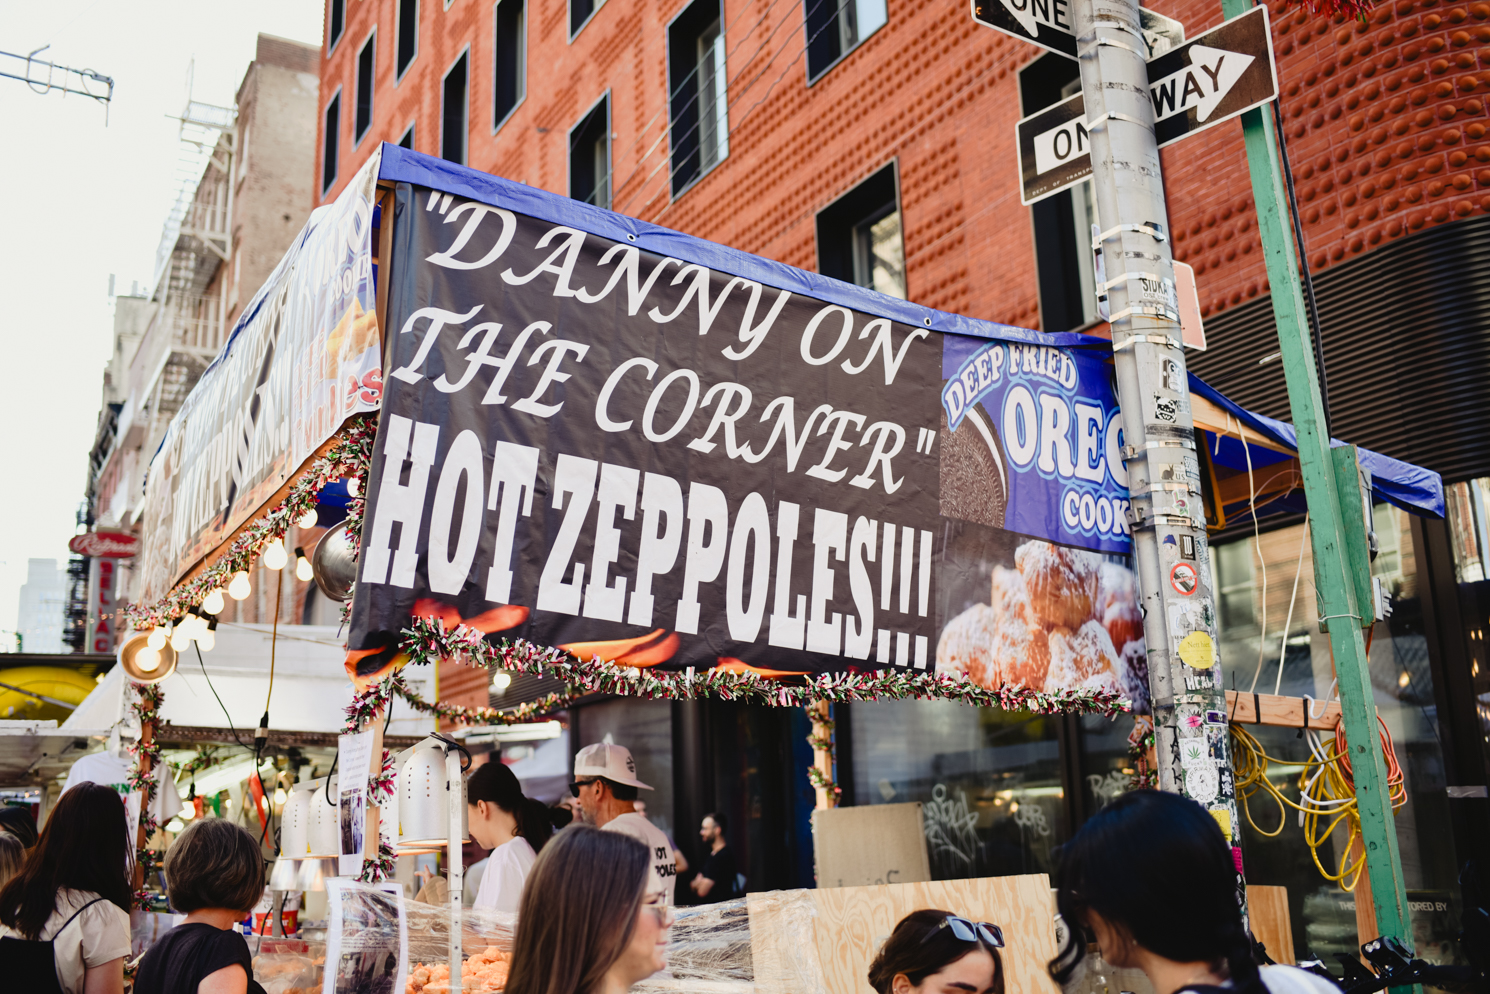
{"x":969,"y":931}
{"x":574,"y":788}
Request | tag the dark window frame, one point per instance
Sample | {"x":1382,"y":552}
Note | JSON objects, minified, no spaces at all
{"x":465,"y":135}
{"x":336,"y":27}
{"x":811,"y":36}
{"x":576,"y":28}
{"x":369,"y":46}
{"x":409,"y":135}
{"x":400,"y":67}
{"x":583,"y":123}
{"x":330,"y":143}
{"x":685,"y":126}
{"x":835,"y":224}
{"x":520,"y":85}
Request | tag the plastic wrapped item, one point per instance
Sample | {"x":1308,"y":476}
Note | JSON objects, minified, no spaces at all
{"x":289,"y":966}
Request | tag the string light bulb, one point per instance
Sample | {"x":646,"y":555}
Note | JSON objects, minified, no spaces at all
{"x":354,"y":486}
{"x":206,"y":640}
{"x":239,"y":589}
{"x":157,"y":639}
{"x":302,"y":565}
{"x":148,"y":659}
{"x":213,"y":603}
{"x":180,"y":638}
{"x":275,"y":556}
{"x":308,"y":519}
{"x":500,"y":681}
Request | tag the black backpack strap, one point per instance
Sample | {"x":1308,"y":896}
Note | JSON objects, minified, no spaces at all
{"x":74,"y":917}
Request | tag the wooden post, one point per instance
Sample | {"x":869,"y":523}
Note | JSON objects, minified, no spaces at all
{"x":147,"y":736}
{"x":822,"y":754}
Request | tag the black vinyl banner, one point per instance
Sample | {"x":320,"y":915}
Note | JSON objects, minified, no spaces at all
{"x":636,"y":457}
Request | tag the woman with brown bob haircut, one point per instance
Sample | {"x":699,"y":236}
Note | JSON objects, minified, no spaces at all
{"x":215,"y":875}
{"x":937,"y":952}
{"x":586,"y":925}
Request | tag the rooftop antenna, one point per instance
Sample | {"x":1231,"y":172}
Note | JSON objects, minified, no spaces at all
{"x":43,"y":77}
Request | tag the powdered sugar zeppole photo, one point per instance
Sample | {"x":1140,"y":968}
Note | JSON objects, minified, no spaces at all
{"x":1060,"y":619}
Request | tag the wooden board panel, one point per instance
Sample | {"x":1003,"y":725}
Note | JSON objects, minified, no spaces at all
{"x":1267,"y":909}
{"x":850,"y":924}
{"x":870,"y":844}
{"x":1287,"y":712}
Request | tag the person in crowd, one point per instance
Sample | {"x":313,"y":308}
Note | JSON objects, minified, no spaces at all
{"x":215,"y":875}
{"x":716,"y":878}
{"x":18,"y":822}
{"x":1106,"y":890}
{"x":937,"y":952}
{"x":64,"y":917}
{"x":589,"y":923}
{"x":512,"y":826}
{"x":12,"y":853}
{"x":679,"y":859}
{"x":476,"y":858}
{"x":605,"y":783}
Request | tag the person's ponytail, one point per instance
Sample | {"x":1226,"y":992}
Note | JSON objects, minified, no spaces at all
{"x":1241,"y":963}
{"x":534,"y":822}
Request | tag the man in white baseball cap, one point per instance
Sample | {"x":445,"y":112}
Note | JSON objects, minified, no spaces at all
{"x":605,"y":783}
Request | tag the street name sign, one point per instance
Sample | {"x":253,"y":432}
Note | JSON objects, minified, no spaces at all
{"x":1198,"y":84}
{"x":1048,"y":23}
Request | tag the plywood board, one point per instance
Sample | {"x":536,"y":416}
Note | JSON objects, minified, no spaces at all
{"x":871,"y":844}
{"x":1286,"y":712}
{"x":1267,"y":911}
{"x":822,"y":941}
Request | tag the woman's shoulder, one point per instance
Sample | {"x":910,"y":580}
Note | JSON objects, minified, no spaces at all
{"x":92,"y":906}
{"x":517,"y":851}
{"x":1280,"y":979}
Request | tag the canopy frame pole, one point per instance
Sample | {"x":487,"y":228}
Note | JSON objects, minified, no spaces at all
{"x":1327,"y":496}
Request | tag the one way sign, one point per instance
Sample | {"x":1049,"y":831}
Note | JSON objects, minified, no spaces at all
{"x":1203,"y":82}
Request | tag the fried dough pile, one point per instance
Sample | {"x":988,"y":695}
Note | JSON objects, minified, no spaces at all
{"x":485,"y":971}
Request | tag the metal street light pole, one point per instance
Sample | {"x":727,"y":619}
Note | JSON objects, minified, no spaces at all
{"x":1168,"y":519}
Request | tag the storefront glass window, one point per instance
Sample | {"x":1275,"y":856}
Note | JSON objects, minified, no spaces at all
{"x":989,"y":781}
{"x":1469,"y":534}
{"x":646,"y":728}
{"x":1276,"y":647}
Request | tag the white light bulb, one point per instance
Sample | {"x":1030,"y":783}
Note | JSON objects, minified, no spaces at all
{"x":239,"y":589}
{"x":354,"y":487}
{"x":181,"y":638}
{"x":187,"y":813}
{"x":500,"y":681}
{"x":213,"y":603}
{"x":275,"y":556}
{"x":303,"y":570}
{"x":156,"y":639}
{"x":147,"y":660}
{"x":206,"y":640}
{"x":279,"y":796}
{"x":308,"y":519}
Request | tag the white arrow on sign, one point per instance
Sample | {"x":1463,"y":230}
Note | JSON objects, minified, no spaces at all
{"x":1203,"y":84}
{"x":1023,"y":12}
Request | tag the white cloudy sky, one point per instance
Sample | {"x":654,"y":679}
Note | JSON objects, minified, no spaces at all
{"x":82,"y":200}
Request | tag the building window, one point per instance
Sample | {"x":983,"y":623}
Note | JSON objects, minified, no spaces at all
{"x":835,"y":29}
{"x":328,"y":151}
{"x":509,"y":77}
{"x":581,"y":11}
{"x":407,"y":141}
{"x":700,"y":94}
{"x":408,"y":35}
{"x":589,"y":156}
{"x":1234,"y":581}
{"x":1062,"y":222}
{"x":364,"y":89}
{"x":336,"y":22}
{"x":453,"y":119}
{"x":859,"y":237}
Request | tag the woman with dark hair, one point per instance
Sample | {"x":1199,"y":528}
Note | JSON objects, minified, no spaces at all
{"x":937,"y":952}
{"x":1182,"y":926}
{"x":587,"y":924}
{"x":512,"y":826}
{"x":19,"y":823}
{"x":64,"y":918}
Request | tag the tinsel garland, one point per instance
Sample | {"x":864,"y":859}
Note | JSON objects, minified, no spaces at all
{"x":381,"y":783}
{"x":378,"y":696}
{"x":427,"y":640}
{"x":377,"y":868}
{"x":144,"y":778}
{"x":821,"y":740}
{"x":821,"y":779}
{"x":349,"y":456}
{"x":206,"y":758}
{"x":1140,"y":747}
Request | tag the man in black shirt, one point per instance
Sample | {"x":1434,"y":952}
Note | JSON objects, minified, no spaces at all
{"x":716,"y":878}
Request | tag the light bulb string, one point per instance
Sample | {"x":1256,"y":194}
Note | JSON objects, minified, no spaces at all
{"x":279,"y":592}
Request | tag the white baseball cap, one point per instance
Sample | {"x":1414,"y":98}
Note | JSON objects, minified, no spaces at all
{"x":610,"y":761}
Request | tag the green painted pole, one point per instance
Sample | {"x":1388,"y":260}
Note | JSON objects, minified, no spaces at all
{"x":1328,"y":500}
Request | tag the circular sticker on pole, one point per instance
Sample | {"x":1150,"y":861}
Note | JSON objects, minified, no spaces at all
{"x":1183,"y":578}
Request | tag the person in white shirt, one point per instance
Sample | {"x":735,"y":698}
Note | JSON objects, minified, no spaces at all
{"x":605,"y":783}
{"x":64,"y":918}
{"x":1152,"y":878}
{"x":512,"y":826}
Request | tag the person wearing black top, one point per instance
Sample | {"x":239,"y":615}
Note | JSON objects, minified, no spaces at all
{"x":215,"y":874}
{"x":716,"y":878}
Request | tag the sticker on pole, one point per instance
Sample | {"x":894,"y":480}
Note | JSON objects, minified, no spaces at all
{"x":1183,"y":578}
{"x":1193,"y":86}
{"x":1049,"y":24}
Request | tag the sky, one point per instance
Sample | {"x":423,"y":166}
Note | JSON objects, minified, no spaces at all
{"x":87,"y":191}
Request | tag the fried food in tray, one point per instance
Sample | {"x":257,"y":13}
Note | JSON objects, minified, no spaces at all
{"x":1083,"y":658}
{"x":1117,"y":604}
{"x":1062,"y":583}
{"x":966,"y":646}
